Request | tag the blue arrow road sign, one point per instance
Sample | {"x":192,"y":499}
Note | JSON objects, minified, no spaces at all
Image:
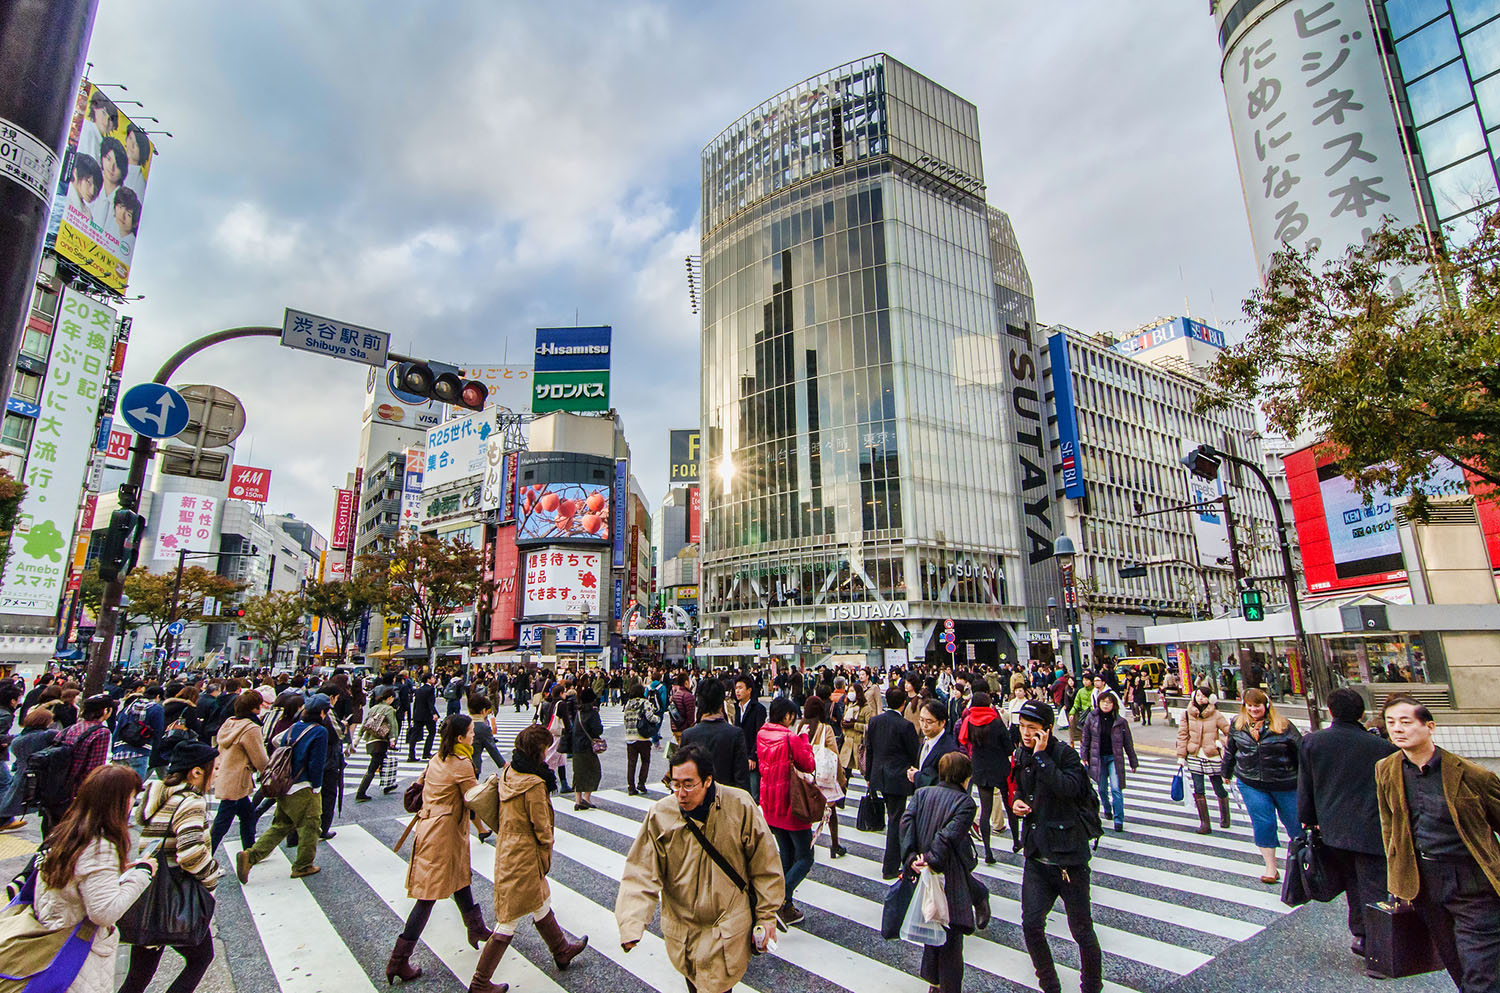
{"x":175,"y":628}
{"x":154,"y":410}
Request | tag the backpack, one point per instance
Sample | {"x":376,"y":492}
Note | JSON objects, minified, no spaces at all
{"x":49,"y":782}
{"x":131,"y":729}
{"x":280,"y":772}
{"x":455,"y":688}
{"x":1088,"y":811}
{"x":648,"y":720}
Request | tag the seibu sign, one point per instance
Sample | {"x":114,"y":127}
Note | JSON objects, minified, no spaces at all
{"x":894,"y":610}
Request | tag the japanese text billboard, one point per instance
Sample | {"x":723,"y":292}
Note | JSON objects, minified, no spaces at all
{"x":343,"y":518}
{"x":456,"y":449}
{"x":1318,"y":143}
{"x":622,"y":502}
{"x":571,"y":391}
{"x":101,"y":189}
{"x":186,"y":524}
{"x":411,"y":491}
{"x":562,"y":581}
{"x":249,"y":483}
{"x":61,"y":441}
{"x":695,"y":514}
{"x":507,"y":582}
{"x":509,"y":385}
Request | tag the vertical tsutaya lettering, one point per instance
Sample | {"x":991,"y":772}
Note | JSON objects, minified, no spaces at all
{"x":1036,"y":501}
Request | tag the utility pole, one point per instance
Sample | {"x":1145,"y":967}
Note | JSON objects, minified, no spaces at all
{"x":42,"y":46}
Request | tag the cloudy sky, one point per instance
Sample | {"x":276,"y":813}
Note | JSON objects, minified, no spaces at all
{"x":459,"y":173}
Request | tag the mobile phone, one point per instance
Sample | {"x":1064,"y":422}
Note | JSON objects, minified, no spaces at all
{"x":150,"y":852}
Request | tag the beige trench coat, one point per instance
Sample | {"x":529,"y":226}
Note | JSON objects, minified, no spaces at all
{"x":523,"y":846}
{"x":705,"y":920}
{"x":440,"y":848}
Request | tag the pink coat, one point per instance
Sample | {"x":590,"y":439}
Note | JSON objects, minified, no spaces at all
{"x":777,"y":750}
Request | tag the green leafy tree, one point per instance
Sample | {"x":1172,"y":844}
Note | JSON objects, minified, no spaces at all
{"x":11,"y":492}
{"x":341,"y":605}
{"x":150,"y":596}
{"x":428,"y":578}
{"x":1390,"y":352}
{"x":275,"y":618}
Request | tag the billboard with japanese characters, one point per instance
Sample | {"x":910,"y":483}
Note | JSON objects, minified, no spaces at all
{"x":1317,"y":139}
{"x":509,"y":385}
{"x":186,"y":525}
{"x":456,"y":449}
{"x":41,"y":546}
{"x":411,"y":491}
{"x":562,"y":581}
{"x":101,"y":188}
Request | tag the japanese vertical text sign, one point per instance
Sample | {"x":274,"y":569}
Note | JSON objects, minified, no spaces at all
{"x":96,"y":207}
{"x":1067,"y":417}
{"x":60,"y":445}
{"x":622,"y":498}
{"x":186,"y":524}
{"x":1317,"y":140}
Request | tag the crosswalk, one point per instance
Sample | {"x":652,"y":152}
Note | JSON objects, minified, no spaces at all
{"x":1166,"y":902}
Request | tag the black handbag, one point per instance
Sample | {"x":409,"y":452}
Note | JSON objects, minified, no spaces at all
{"x":174,"y":910}
{"x":1397,"y":943}
{"x":897,"y":901}
{"x":1307,"y":875}
{"x":871,"y":814}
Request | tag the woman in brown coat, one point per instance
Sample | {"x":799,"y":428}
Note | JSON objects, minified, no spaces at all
{"x":1199,"y":738}
{"x":523,"y":856}
{"x":439,"y":866}
{"x":242,"y":754}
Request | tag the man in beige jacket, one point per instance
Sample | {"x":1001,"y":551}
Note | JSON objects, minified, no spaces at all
{"x":706,"y":855}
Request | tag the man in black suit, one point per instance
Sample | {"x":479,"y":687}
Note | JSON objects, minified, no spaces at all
{"x":718,"y":737}
{"x":423,"y":719}
{"x":749,"y":715}
{"x":937,"y":741}
{"x":892,"y":746}
{"x":1336,"y":794}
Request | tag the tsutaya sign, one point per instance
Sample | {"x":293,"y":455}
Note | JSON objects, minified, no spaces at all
{"x":894,"y":610}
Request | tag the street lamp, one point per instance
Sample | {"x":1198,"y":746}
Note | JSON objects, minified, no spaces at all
{"x":1064,"y":551}
{"x":1204,"y":462}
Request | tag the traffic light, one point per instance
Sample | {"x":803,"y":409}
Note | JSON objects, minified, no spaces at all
{"x":1132,"y":570}
{"x":122,"y":544}
{"x":757,"y":644}
{"x":1253,"y":604}
{"x":239,"y":613}
{"x":440,"y":382}
{"x":907,"y":636}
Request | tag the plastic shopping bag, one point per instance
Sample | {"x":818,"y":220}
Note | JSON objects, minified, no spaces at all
{"x":916,"y":928}
{"x":934,"y":900}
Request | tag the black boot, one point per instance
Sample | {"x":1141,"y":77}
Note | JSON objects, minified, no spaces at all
{"x":479,"y":935}
{"x":489,"y":960}
{"x":563,"y":951}
{"x":1224,"y":812}
{"x":399,"y":966}
{"x":1201,"y":802}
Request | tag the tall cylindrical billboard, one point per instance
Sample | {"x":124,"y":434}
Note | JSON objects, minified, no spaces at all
{"x":1315,"y":129}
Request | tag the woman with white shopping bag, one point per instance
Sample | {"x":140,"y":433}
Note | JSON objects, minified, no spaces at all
{"x":829,"y":776}
{"x":935,"y":839}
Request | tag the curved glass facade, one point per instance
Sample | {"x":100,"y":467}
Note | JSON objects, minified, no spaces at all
{"x":853,"y":403}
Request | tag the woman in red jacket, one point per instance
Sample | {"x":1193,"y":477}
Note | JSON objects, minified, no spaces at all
{"x":780,"y":755}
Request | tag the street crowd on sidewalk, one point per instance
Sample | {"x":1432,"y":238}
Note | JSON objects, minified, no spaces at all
{"x":137,"y":788}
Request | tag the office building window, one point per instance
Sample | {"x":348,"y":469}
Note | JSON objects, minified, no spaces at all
{"x":16,"y":431}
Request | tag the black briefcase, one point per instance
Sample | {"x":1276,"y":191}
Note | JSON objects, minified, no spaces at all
{"x":1397,"y":944}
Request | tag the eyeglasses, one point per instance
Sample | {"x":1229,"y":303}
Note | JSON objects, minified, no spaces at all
{"x":679,"y":786}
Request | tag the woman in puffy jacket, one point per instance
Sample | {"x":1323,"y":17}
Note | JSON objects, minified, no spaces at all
{"x":1262,"y":751}
{"x":779,"y":756}
{"x":989,"y":742}
{"x":935,"y":835}
{"x":1107,"y":746}
{"x":84,"y":876}
{"x":1198,"y":746}
{"x":242,"y":755}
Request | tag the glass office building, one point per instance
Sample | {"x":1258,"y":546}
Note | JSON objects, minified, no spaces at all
{"x":857,"y":459}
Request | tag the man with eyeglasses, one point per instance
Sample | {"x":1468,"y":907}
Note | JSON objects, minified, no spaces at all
{"x":707,"y":857}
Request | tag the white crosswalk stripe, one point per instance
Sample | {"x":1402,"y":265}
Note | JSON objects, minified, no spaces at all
{"x":1166,"y":902}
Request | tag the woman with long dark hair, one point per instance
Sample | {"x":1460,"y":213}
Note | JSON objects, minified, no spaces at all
{"x":988,"y":738}
{"x":439,"y":866}
{"x":587,"y":729}
{"x":523,"y":856}
{"x":820,"y":735}
{"x":84,"y":874}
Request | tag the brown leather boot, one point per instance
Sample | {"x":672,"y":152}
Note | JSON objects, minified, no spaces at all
{"x":489,"y":960}
{"x":563,"y":951}
{"x":399,"y":966}
{"x":474,"y":921}
{"x":1201,"y":801}
{"x":1224,"y":812}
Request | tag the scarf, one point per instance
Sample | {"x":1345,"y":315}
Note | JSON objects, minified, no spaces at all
{"x":521,"y":762}
{"x":463,"y":750}
{"x":975,"y":718}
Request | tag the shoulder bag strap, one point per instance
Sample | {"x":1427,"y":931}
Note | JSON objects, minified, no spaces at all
{"x":718,"y":858}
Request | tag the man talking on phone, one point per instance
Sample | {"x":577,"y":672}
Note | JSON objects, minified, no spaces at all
{"x":1051,"y":789}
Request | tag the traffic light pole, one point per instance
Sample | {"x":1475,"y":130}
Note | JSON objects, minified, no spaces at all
{"x":130,"y":495}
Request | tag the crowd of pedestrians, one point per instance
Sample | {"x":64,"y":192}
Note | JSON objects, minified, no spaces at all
{"x":154,"y":775}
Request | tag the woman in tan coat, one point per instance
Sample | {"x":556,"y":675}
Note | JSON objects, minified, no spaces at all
{"x":858,"y":712}
{"x":1199,"y":738}
{"x":439,"y":866}
{"x":523,"y":856}
{"x":242,"y":755}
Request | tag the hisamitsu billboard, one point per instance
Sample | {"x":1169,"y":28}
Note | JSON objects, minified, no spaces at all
{"x":572,"y":349}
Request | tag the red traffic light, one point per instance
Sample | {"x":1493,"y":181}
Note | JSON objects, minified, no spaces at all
{"x":473,"y":395}
{"x":239,"y":612}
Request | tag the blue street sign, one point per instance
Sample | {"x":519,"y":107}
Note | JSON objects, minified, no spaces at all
{"x":175,"y":628}
{"x":760,"y":622}
{"x":154,"y":410}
